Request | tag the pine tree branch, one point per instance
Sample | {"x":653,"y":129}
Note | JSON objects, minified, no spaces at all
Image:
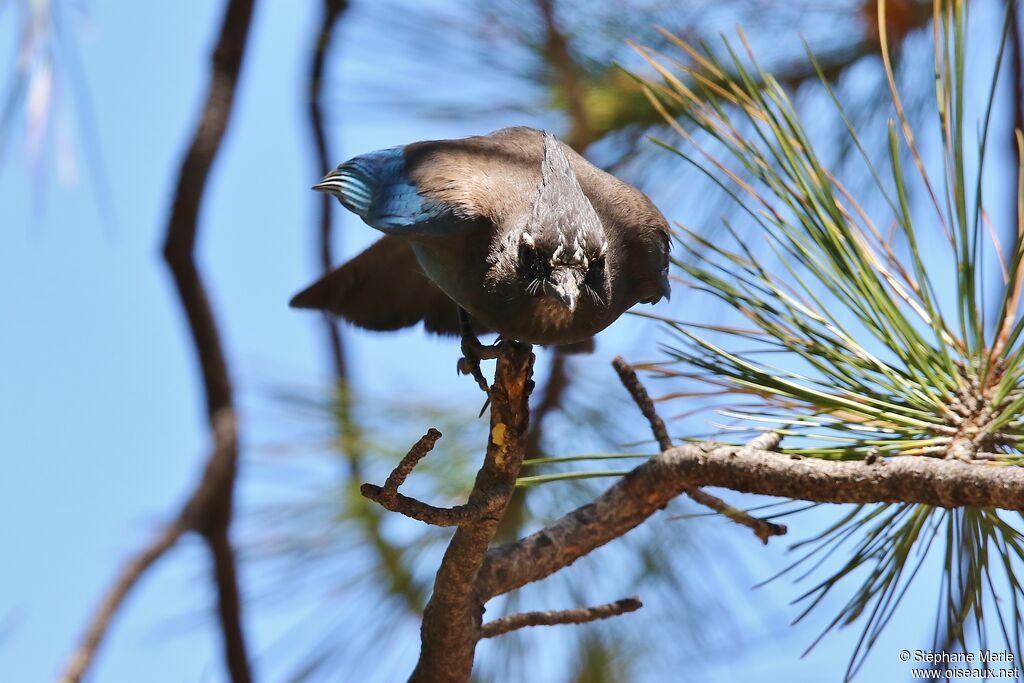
{"x":645,"y":490}
{"x":583,"y":615}
{"x":452,"y":619}
{"x":388,"y":496}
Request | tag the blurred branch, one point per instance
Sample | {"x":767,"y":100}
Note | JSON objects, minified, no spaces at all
{"x":130,"y":574}
{"x":333,"y":10}
{"x":583,"y":615}
{"x":208,"y":509}
{"x":570,"y":77}
{"x":1017,"y":120}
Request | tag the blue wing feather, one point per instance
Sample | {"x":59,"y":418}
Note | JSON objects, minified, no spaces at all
{"x":375,"y":187}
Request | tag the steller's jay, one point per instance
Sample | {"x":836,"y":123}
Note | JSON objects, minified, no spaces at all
{"x":527,"y":237}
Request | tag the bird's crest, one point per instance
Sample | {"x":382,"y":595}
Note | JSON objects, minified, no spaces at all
{"x":562,"y":215}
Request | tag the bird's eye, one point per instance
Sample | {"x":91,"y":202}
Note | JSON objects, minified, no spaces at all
{"x":532,"y":263}
{"x":595,"y":274}
{"x":539,"y":267}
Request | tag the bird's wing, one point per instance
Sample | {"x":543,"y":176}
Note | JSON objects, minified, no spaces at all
{"x":377,"y":188}
{"x":383,"y":288}
{"x":444,"y":187}
{"x":483,"y":178}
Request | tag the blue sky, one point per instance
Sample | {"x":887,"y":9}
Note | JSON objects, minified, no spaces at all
{"x":101,"y":424}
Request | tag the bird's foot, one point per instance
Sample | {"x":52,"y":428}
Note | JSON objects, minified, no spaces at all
{"x":472,"y":353}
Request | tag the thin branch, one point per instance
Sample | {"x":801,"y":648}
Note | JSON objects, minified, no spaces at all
{"x":411,"y":459}
{"x":627,"y":375}
{"x":389,"y":497}
{"x":332,"y":12}
{"x":457,"y":515}
{"x":1017,"y":121}
{"x":762,"y":529}
{"x":208,"y":509}
{"x":570,"y":616}
{"x":452,"y":619}
{"x":229,"y":603}
{"x":133,"y":570}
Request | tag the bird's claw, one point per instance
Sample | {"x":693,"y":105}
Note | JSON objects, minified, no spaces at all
{"x":472,"y":353}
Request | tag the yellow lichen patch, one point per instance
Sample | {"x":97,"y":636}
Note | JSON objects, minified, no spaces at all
{"x":498,"y":434}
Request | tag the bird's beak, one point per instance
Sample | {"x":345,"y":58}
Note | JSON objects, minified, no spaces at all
{"x":565,"y":287}
{"x":330,"y":183}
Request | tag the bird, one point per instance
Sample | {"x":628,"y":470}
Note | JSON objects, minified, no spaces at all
{"x":511,"y":232}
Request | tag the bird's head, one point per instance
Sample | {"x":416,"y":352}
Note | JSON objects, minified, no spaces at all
{"x":562,"y":250}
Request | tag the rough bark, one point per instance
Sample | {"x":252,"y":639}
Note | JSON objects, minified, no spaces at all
{"x":645,"y":490}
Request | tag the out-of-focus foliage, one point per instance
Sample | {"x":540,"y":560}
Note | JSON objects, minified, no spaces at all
{"x":46,"y":101}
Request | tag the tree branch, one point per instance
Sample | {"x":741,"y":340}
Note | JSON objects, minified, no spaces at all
{"x":927,"y":481}
{"x":389,"y":497}
{"x":133,"y":570}
{"x":333,"y":10}
{"x":208,"y":509}
{"x":452,"y":619}
{"x":228,"y":603}
{"x":570,"y":616}
{"x":909,"y":479}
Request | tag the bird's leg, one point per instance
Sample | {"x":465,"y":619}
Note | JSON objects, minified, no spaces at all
{"x":473,"y":352}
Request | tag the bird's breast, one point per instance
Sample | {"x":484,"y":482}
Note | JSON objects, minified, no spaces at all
{"x":462,"y":274}
{"x":545,"y":320}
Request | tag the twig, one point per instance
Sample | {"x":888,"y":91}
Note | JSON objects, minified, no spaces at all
{"x":627,"y":375}
{"x":570,"y":616}
{"x":452,"y":619}
{"x":389,"y":497}
{"x":208,"y":509}
{"x":411,"y":459}
{"x":133,"y":570}
{"x":763,"y":529}
{"x":457,"y":515}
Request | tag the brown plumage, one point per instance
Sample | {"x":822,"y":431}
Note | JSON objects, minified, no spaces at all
{"x":526,"y":235}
